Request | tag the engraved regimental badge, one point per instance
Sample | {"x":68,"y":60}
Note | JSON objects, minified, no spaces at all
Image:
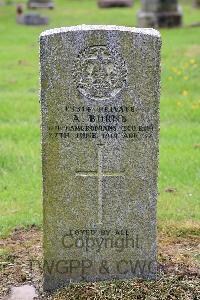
{"x":100,"y":73}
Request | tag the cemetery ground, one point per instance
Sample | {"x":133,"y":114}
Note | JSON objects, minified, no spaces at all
{"x":179,"y":171}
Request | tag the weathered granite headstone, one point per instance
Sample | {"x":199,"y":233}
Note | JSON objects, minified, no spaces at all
{"x":160,"y":13}
{"x":115,"y":3}
{"x":40,"y":4}
{"x":100,"y":126}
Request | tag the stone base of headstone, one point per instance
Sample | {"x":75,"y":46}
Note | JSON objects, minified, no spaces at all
{"x":160,"y":19}
{"x":32,"y":4}
{"x":115,"y":3}
{"x":32,"y":19}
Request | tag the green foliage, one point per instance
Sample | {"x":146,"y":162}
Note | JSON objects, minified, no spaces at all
{"x":20,"y":113}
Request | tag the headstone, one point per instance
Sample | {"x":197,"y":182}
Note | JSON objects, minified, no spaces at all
{"x":31,"y":19}
{"x":115,"y":3}
{"x":196,"y":3}
{"x":100,"y":127}
{"x":40,"y":4}
{"x":160,"y":13}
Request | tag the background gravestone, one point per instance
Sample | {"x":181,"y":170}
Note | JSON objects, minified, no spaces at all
{"x":196,"y":3}
{"x":29,"y":18}
{"x":160,"y":13}
{"x":100,"y":126}
{"x":115,"y":3}
{"x":40,"y":4}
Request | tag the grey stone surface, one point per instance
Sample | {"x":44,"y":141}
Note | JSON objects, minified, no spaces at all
{"x":196,"y":3}
{"x":115,"y":3}
{"x":32,"y":19}
{"x":160,"y":13}
{"x":40,"y":4}
{"x":24,"y":292}
{"x":100,"y":90}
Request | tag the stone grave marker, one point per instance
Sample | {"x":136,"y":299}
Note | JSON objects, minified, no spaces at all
{"x":160,"y":13}
{"x":115,"y":3}
{"x":196,"y":3}
{"x":31,"y":19}
{"x":40,"y":4}
{"x":100,"y":128}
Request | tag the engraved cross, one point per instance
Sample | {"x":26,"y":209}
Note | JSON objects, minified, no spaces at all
{"x":100,"y":175}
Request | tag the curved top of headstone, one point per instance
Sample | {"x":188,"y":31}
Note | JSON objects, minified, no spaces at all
{"x":146,"y":31}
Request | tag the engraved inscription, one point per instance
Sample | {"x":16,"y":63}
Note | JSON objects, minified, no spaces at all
{"x":100,"y":73}
{"x":100,"y":174}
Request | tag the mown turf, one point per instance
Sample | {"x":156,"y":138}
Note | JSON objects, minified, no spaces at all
{"x":179,"y":175}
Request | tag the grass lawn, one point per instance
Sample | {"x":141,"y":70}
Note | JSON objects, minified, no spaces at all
{"x":179,"y":174}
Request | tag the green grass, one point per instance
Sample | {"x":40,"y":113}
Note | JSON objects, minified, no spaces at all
{"x":20,"y":112}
